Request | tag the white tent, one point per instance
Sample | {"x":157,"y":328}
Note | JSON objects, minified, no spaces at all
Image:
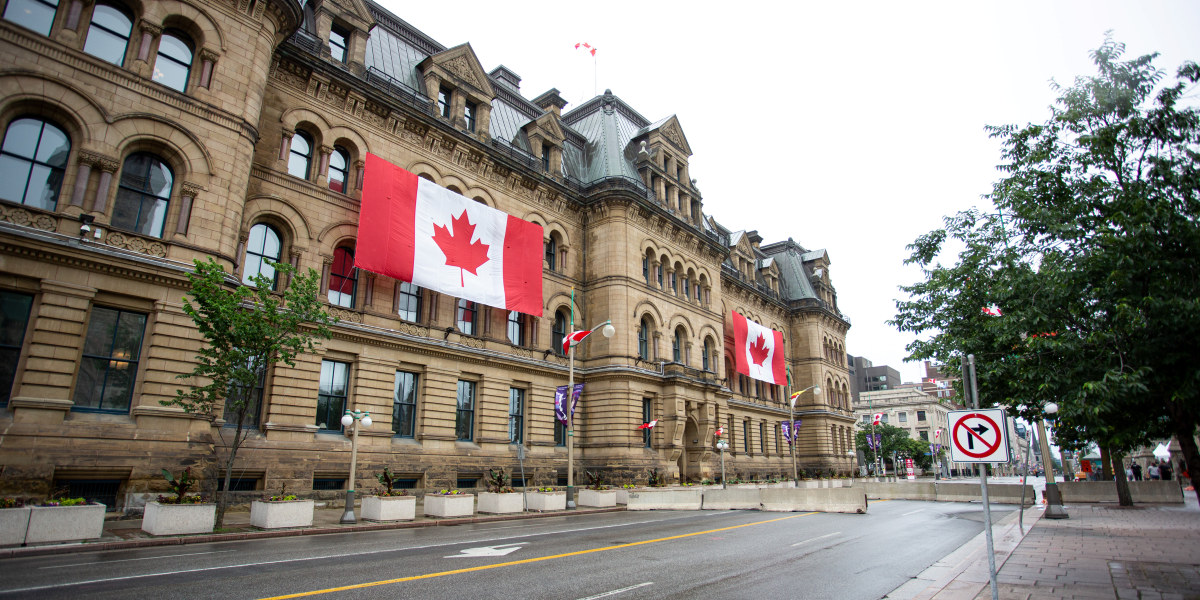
{"x":1161,"y":452}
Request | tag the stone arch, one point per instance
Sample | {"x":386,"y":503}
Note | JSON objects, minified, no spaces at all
{"x":146,"y":131}
{"x":279,"y":210}
{"x":336,"y":233}
{"x":28,"y":93}
{"x":350,"y":140}
{"x":202,"y":27}
{"x":646,"y":307}
{"x":424,"y":168}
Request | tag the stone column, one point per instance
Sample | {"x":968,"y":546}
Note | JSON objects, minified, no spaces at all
{"x":359,"y":167}
{"x":208,"y":60}
{"x":285,"y":145}
{"x":107,"y":166}
{"x":150,"y":31}
{"x":323,"y":169}
{"x":187,"y":197}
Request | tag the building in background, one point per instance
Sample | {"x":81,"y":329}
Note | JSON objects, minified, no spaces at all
{"x":147,"y":135}
{"x":936,"y":382}
{"x":870,"y":378}
{"x":912,"y":409}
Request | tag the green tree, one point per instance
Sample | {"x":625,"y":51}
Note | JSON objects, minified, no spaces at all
{"x":1093,"y":259}
{"x":247,"y":329}
{"x":893,"y":440}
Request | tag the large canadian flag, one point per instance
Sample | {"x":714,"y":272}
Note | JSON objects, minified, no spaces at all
{"x":758,"y":351}
{"x":414,"y":230}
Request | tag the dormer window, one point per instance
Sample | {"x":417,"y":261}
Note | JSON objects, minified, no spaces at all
{"x":337,"y":44}
{"x":469,"y":116}
{"x":444,"y":102}
{"x":546,"y":157}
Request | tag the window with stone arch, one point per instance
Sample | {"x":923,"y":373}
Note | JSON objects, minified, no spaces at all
{"x":108,"y":34}
{"x":339,"y":169}
{"x":516,"y":328}
{"x":706,"y":355}
{"x":33,"y":161}
{"x":300,"y":155}
{"x":263,"y":248}
{"x":37,"y":15}
{"x":173,"y":64}
{"x":644,"y":341}
{"x":679,"y":346}
{"x":558,"y":331}
{"x":143,"y":195}
{"x":551,"y":252}
{"x":343,"y":278}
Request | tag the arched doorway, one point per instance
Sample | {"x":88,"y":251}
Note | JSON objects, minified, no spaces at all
{"x":689,"y":460}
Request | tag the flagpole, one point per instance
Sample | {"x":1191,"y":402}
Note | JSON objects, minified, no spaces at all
{"x":874,"y":442}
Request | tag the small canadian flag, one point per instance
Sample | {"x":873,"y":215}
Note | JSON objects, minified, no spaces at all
{"x":937,"y":434}
{"x":878,"y":416}
{"x":649,"y":425}
{"x":720,"y":430}
{"x":992,"y":310}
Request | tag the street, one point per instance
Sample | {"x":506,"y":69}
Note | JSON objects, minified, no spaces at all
{"x":657,"y":554}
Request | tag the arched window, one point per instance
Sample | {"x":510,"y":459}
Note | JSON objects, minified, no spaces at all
{"x":37,"y":15}
{"x":343,"y":278}
{"x":551,"y":253}
{"x":465,"y":316}
{"x":644,"y":339}
{"x":32,"y":162}
{"x":300,"y":156}
{"x":646,"y":269}
{"x":408,"y":304}
{"x":262,"y":249}
{"x":339,"y":169}
{"x":706,"y":352}
{"x":687,"y":287}
{"x":174,"y":62}
{"x":143,"y":195}
{"x":516,"y":328}
{"x":677,"y":347}
{"x":559,"y":332}
{"x":108,"y":35}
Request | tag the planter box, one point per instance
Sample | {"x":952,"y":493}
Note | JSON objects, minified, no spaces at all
{"x":178,"y":519}
{"x":461,"y":505}
{"x":14,"y":524}
{"x":546,"y":501}
{"x":389,"y":508}
{"x":499,"y":504}
{"x":276,"y":515}
{"x":65,"y":523}
{"x":597,"y":498}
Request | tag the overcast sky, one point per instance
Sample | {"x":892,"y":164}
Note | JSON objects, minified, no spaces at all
{"x":848,"y":126}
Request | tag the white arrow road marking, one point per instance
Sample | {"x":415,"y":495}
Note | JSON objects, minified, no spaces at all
{"x":819,"y":537}
{"x":502,"y":550}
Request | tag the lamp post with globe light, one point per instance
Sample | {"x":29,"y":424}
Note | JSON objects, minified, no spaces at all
{"x":351,"y":419}
{"x":607,"y":330}
{"x":816,"y":390}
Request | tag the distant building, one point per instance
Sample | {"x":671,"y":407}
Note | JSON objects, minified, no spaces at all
{"x":937,"y":382}
{"x":910,"y":408}
{"x":865,"y":377}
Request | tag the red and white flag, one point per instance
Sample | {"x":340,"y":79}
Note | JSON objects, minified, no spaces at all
{"x":414,"y":230}
{"x":649,"y":425}
{"x":720,"y":430}
{"x":878,"y":416}
{"x":587,"y":47}
{"x":573,"y":339}
{"x":992,"y":310}
{"x":937,"y":434}
{"x":758,"y":351}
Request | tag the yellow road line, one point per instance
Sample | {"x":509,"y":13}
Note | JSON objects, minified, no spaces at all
{"x":522,"y":562}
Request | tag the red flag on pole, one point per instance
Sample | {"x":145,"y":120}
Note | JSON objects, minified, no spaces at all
{"x":649,"y":425}
{"x":414,"y":230}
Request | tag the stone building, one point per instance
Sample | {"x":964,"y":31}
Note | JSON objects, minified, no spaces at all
{"x":139,"y":136}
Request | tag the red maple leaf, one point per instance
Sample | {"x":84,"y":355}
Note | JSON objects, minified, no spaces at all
{"x":759,"y":350}
{"x":460,"y":251}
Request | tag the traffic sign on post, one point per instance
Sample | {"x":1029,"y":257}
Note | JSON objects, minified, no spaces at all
{"x":978,"y":436}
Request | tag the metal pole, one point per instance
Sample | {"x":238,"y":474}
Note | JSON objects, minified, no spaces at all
{"x":1054,"y":507}
{"x":792,"y":428}
{"x":348,"y":516}
{"x":1024,"y":481}
{"x":874,"y":445}
{"x":723,"y":482}
{"x":570,"y":426}
{"x":987,"y":509}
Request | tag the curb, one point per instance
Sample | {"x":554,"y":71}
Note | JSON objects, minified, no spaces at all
{"x":19,"y":552}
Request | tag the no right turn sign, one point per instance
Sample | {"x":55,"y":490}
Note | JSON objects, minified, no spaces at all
{"x":978,"y":436}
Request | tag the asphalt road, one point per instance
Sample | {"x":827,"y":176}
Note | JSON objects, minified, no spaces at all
{"x":657,"y":554}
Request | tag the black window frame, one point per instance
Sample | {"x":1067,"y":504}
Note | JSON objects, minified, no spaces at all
{"x":15,"y":5}
{"x":132,"y":362}
{"x":326,"y":396}
{"x":462,"y":309}
{"x":294,"y":154}
{"x":105,"y":30}
{"x":347,"y":278}
{"x":13,"y":329}
{"x":404,"y":404}
{"x":516,"y":415}
{"x":56,"y":173}
{"x":464,"y":412}
{"x":173,"y":61}
{"x":343,"y":171}
{"x":408,"y":300}
{"x":137,"y":168}
{"x":516,"y":328}
{"x":344,"y":44}
{"x":647,"y":416}
{"x":259,"y":255}
{"x":558,"y":332}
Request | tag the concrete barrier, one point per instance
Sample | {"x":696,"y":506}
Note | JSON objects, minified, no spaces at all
{"x":669,"y":499}
{"x":732,"y":499}
{"x":921,"y":490}
{"x":998,"y":493}
{"x":1153,"y":492}
{"x":839,"y":500}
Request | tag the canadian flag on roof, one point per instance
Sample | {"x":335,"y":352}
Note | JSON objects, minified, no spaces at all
{"x":758,"y":351}
{"x":414,"y":230}
{"x":587,"y":47}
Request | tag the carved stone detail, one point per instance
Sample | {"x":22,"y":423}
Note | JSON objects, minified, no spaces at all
{"x":24,"y":218}
{"x":190,"y":188}
{"x":414,"y":329}
{"x":471,"y":342}
{"x":136,"y":244}
{"x":462,"y":68}
{"x":345,"y":315}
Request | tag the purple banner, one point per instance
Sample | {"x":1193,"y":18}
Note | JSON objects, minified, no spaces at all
{"x":789,"y":430}
{"x":873,"y":441}
{"x":560,"y":397}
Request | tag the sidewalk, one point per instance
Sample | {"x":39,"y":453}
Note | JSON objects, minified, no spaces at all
{"x":1101,"y":551}
{"x":121,"y":533}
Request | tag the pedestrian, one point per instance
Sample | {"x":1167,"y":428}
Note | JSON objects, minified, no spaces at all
{"x":1137,"y":471}
{"x":1164,"y":472}
{"x":1153,"y":471}
{"x":1128,"y":473}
